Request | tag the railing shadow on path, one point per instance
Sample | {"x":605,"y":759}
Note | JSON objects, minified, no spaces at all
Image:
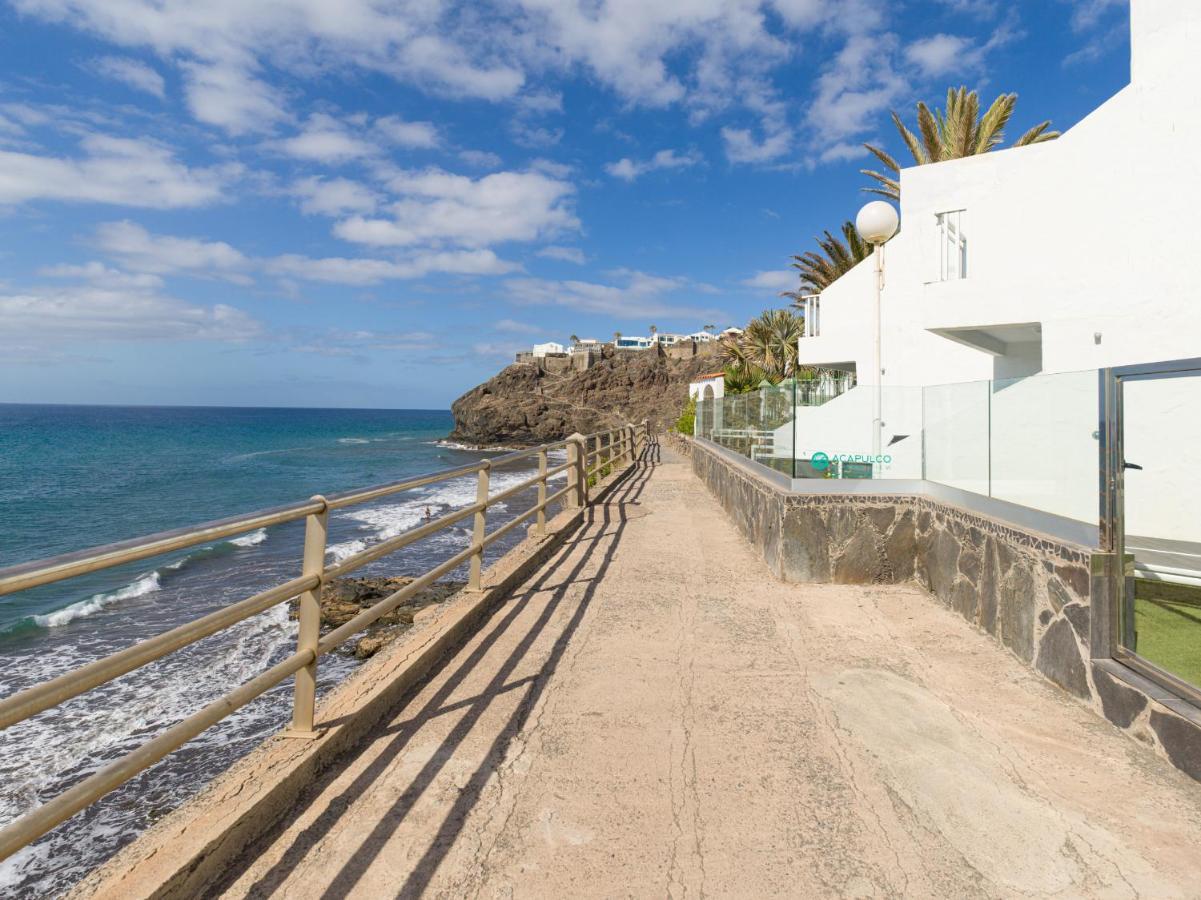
{"x":611,"y":516}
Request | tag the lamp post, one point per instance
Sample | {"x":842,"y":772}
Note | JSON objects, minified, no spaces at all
{"x":876,"y":224}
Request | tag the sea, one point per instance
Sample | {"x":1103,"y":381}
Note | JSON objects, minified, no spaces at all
{"x":73,"y":477}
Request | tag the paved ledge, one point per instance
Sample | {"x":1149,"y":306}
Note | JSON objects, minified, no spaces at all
{"x":1044,"y":598}
{"x":653,"y":713}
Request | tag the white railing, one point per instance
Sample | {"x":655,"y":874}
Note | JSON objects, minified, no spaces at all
{"x":811,"y":304}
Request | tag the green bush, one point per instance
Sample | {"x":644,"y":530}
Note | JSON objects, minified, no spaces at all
{"x":686,"y":424}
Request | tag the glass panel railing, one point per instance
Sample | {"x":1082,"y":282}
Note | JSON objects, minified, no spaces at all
{"x":1043,"y":448}
{"x":1030,"y":441}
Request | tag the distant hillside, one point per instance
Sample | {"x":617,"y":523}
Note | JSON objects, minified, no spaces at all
{"x":525,"y":405}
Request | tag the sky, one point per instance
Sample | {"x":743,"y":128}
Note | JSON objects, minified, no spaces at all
{"x":375,"y":204}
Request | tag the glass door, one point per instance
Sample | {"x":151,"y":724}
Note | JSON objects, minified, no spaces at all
{"x":1158,"y":533}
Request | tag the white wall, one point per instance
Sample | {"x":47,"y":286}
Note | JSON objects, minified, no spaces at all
{"x":1093,"y":233}
{"x":1093,"y":238}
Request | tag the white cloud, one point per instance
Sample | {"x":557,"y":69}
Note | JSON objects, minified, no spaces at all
{"x":628,"y":170}
{"x":564,"y":254}
{"x":223,"y":44}
{"x":133,"y":73}
{"x":325,"y":139}
{"x":941,"y":54}
{"x":417,"y":135}
{"x":1087,"y":14}
{"x":99,"y":274}
{"x":481,"y":159}
{"x":855,"y":89}
{"x":637,"y":294}
{"x":230,"y":97}
{"x":122,"y":171}
{"x":742,"y":146}
{"x":142,"y":251}
{"x":514,"y":327}
{"x":334,"y":196}
{"x":364,"y":271}
{"x":772,"y":280}
{"x":437,"y":207}
{"x":93,"y":313}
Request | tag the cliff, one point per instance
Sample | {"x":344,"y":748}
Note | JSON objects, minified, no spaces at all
{"x":525,"y":405}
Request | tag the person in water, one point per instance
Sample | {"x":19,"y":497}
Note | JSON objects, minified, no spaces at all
{"x":428,"y":514}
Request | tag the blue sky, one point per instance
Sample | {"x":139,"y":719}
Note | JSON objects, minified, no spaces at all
{"x":374,"y":204}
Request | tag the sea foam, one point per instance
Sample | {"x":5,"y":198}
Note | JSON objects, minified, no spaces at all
{"x":146,"y":584}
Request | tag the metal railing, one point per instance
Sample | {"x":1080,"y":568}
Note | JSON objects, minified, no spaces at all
{"x":608,"y":450}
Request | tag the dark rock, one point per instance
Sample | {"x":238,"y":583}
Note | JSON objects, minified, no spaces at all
{"x":1059,"y":659}
{"x":1120,"y":703}
{"x":1016,"y":611}
{"x":842,"y":524}
{"x":1181,"y":740}
{"x":924,"y":520}
{"x":881,"y":517}
{"x":1076,"y":577}
{"x":806,"y":553}
{"x":964,"y":599}
{"x":941,"y":553}
{"x":1045,"y":616}
{"x":525,"y":405}
{"x":859,"y":562}
{"x":900,"y":547}
{"x":987,"y":588}
{"x":1079,"y":615}
{"x":344,"y":598}
{"x":969,"y":563}
{"x":1058,"y":593}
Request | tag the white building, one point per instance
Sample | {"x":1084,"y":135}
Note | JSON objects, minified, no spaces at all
{"x":549,"y":348}
{"x":701,"y":337}
{"x":715,"y":382}
{"x":1053,"y":261}
{"x":633,"y":342}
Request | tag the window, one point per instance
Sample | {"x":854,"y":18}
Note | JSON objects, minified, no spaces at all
{"x":952,"y":246}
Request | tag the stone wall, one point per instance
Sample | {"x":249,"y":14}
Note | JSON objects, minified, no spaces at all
{"x":1030,"y":592}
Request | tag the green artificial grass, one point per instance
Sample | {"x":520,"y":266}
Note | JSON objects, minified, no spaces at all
{"x":1167,"y":618}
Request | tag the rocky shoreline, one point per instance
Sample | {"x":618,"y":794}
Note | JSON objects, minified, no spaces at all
{"x":344,"y":598}
{"x":526,"y":405}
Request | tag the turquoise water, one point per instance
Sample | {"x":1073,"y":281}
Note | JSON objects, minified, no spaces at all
{"x":75,"y":477}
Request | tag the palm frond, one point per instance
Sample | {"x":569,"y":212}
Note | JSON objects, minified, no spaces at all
{"x":956,"y":131}
{"x":1037,"y":135}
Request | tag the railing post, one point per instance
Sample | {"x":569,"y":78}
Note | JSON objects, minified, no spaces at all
{"x":631,"y":440}
{"x":474,"y":580}
{"x":576,"y":455}
{"x":304,"y":699}
{"x":542,"y":490}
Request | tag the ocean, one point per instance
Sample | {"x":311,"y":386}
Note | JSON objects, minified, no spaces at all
{"x":73,"y":477}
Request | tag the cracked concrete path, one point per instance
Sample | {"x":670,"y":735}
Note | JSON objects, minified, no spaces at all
{"x":654,"y":715}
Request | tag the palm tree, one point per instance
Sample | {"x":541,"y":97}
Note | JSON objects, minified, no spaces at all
{"x":820,"y":270}
{"x":710,"y":328}
{"x":654,"y":329}
{"x":768,"y":344}
{"x":616,"y":336}
{"x":575,"y":339}
{"x":957,"y":132}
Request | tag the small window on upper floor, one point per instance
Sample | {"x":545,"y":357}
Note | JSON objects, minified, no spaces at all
{"x":952,"y":245}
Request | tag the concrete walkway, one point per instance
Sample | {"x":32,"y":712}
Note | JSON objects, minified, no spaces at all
{"x":654,"y":715}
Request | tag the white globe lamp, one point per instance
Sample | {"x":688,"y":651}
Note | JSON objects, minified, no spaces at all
{"x":877,"y":222}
